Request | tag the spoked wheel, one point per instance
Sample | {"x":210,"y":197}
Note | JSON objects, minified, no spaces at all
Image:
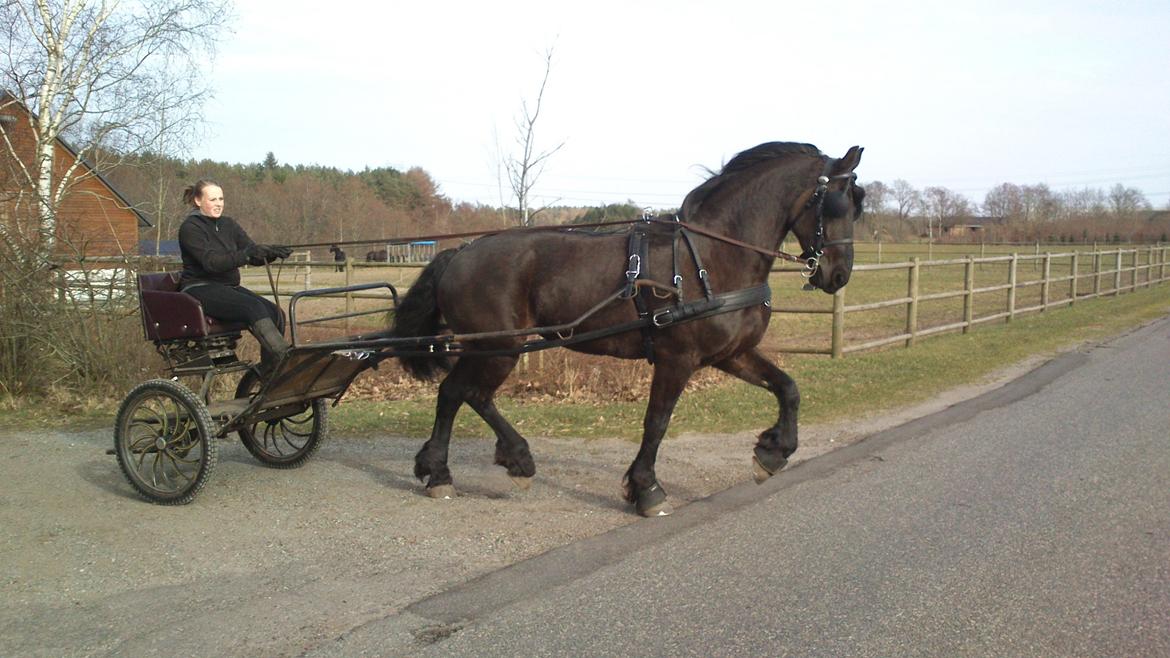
{"x":164,"y":443}
{"x":286,"y":442}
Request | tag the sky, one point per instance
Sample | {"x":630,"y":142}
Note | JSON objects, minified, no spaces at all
{"x":644,"y":97}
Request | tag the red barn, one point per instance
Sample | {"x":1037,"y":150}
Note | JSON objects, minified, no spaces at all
{"x":93,"y":219}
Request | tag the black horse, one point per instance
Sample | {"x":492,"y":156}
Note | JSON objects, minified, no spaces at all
{"x":517,"y":279}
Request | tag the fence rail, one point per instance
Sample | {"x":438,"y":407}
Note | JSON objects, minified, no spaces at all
{"x":1109,"y":273}
{"x":1089,"y":275}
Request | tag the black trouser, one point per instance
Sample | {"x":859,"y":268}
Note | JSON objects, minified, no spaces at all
{"x":235,"y":304}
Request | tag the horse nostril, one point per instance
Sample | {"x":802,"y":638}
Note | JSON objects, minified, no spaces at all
{"x":840,"y":279}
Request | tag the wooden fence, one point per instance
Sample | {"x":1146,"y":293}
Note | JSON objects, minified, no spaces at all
{"x":1089,"y":275}
{"x":1054,"y":279}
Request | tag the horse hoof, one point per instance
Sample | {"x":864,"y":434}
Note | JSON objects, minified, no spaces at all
{"x":653,"y":502}
{"x":522,"y":483}
{"x":661,"y":509}
{"x":442,"y":492}
{"x":760,"y":473}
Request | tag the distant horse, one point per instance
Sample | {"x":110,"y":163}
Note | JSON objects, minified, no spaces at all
{"x":518,"y":279}
{"x":338,"y":257}
{"x":376,"y":256}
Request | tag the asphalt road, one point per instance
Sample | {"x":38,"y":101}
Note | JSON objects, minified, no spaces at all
{"x":1033,"y":520}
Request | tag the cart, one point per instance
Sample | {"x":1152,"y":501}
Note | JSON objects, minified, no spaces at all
{"x":166,"y":434}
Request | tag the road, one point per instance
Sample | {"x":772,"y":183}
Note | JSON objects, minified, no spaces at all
{"x":1033,"y":520}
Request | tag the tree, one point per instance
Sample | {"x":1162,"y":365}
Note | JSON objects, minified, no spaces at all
{"x":1125,"y":201}
{"x":525,"y":169}
{"x":877,"y":197}
{"x":1004,"y":200}
{"x":113,"y":79}
{"x":905,"y":197}
{"x":939,"y":204}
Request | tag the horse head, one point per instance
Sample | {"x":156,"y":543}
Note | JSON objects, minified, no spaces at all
{"x":824,"y":226}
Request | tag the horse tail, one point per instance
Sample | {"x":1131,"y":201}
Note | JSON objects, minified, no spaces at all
{"x":418,"y":315}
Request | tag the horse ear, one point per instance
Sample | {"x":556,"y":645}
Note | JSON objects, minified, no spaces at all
{"x":849,"y":162}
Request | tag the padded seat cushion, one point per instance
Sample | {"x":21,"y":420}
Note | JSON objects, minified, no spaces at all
{"x":168,"y":314}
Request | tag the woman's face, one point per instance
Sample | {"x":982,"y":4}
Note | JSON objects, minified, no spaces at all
{"x":210,"y":202}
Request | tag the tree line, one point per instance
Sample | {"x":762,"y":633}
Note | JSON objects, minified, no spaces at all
{"x":1011,"y":212}
{"x":297,"y":204}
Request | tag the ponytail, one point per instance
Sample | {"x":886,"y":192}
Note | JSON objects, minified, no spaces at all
{"x":192,"y":192}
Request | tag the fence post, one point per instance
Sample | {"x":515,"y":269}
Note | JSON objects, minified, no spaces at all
{"x":1096,"y":271}
{"x":1149,"y":265}
{"x":1162,"y":270}
{"x":348,"y":295}
{"x":969,"y":297}
{"x":879,"y":252}
{"x":1072,"y":284}
{"x":1046,"y":282}
{"x":1133,"y":281}
{"x":1011,"y":303}
{"x":1036,"y":262}
{"x":912,"y":307}
{"x":838,"y":323}
{"x":1117,"y":275}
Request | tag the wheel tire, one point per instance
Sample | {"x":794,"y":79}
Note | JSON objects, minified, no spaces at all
{"x":287,"y":442}
{"x":163,"y":438}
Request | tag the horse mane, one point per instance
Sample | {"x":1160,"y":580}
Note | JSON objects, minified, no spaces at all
{"x":742,"y":162}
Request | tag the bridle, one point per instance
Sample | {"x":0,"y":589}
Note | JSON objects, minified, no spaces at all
{"x":811,"y":256}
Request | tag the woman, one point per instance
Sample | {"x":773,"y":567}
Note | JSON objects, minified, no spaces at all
{"x":213,"y":248}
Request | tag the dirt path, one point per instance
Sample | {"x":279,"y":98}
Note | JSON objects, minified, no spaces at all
{"x":269,"y":562}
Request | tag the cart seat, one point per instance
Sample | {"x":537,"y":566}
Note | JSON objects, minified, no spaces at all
{"x":168,"y":314}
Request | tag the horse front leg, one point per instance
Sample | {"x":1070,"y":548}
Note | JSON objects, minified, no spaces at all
{"x":641,"y":484}
{"x":777,"y":443}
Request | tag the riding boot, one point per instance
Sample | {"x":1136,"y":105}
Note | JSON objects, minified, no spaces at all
{"x":272,"y":345}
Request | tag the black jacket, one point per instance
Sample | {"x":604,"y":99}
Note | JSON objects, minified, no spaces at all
{"x":213,"y":249}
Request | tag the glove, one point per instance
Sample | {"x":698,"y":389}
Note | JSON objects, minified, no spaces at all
{"x":256,"y":254}
{"x":278,"y":252}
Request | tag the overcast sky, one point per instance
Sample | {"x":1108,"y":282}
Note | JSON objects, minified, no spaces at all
{"x":644,"y":95}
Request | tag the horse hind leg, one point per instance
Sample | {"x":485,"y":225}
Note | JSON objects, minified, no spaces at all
{"x":512,"y":451}
{"x":474,"y":381}
{"x":777,"y":443}
{"x":430,"y":463}
{"x":483,"y":376}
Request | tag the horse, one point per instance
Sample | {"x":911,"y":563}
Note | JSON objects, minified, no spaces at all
{"x":376,"y":256}
{"x":517,"y":279}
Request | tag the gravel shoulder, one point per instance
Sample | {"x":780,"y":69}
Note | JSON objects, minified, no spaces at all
{"x":279,"y":563}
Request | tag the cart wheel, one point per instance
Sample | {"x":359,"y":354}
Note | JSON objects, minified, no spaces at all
{"x":163,"y":441}
{"x":286,"y":442}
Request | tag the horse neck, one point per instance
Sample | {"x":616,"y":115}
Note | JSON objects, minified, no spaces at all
{"x":761,"y":213}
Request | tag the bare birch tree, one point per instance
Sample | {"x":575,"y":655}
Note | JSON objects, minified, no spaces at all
{"x":525,"y":169}
{"x":114,"y":78}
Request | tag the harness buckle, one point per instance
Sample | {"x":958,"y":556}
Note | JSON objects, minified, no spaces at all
{"x":635,"y":265}
{"x":658,"y":318}
{"x":677,"y":280}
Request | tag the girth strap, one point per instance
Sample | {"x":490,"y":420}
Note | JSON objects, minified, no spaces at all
{"x":722,"y":303}
{"x":637,"y":266}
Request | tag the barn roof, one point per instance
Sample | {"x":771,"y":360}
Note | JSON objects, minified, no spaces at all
{"x":7,"y":100}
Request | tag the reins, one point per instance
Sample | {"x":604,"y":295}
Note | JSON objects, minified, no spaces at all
{"x":810,"y":257}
